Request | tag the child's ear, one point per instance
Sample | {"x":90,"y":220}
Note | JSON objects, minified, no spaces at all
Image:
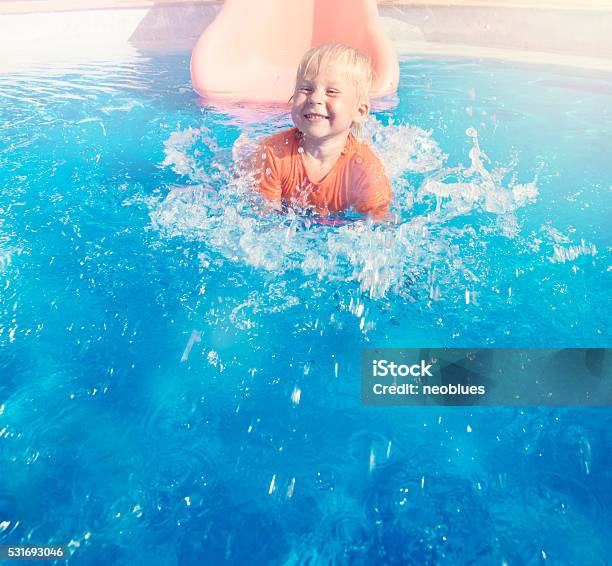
{"x":362,"y":112}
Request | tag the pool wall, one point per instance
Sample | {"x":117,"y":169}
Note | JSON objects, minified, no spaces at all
{"x":561,"y":33}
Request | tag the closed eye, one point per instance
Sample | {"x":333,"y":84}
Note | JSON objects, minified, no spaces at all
{"x":332,"y":91}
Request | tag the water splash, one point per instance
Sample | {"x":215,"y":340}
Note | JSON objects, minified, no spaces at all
{"x":563,"y":254}
{"x":221,"y":210}
{"x":462,"y":191}
{"x":403,"y":148}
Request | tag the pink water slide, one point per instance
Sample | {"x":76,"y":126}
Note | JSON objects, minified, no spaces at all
{"x":251,"y":51}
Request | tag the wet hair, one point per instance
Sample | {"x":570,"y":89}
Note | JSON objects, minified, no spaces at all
{"x":355,"y":64}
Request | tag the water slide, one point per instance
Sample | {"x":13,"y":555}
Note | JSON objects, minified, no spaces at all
{"x":251,"y":51}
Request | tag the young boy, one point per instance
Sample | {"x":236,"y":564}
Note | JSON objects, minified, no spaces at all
{"x":320,"y":165}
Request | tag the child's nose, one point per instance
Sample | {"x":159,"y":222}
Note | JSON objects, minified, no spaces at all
{"x":316,"y":96}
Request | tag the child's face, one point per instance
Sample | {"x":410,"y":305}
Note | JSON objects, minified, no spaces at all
{"x":325,"y":105}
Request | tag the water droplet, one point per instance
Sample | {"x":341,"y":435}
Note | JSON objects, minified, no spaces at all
{"x":296,"y":395}
{"x":291,"y":488}
{"x":272,"y":485}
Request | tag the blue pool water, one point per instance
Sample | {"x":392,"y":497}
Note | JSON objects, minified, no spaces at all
{"x":180,"y":376}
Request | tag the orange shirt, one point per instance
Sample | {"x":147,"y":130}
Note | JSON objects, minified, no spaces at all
{"x":356,"y":179}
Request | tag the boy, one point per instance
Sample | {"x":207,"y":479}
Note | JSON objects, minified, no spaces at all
{"x":319,"y":164}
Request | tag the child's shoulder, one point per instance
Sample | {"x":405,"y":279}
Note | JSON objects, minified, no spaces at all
{"x":363,"y":157}
{"x":285,"y":141}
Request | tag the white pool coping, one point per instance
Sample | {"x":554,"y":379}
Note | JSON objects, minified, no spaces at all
{"x":407,"y":49}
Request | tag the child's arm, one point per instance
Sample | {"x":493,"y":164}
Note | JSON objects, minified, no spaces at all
{"x":267,"y":176}
{"x":370,"y":188}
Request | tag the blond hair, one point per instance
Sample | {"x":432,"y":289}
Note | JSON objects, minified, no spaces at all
{"x":355,"y":64}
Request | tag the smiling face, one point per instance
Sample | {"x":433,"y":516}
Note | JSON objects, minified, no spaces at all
{"x":325,"y":104}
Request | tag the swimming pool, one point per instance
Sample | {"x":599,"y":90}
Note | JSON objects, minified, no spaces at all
{"x":180,"y":376}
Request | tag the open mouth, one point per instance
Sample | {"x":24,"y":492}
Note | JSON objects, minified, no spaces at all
{"x":315,"y":117}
